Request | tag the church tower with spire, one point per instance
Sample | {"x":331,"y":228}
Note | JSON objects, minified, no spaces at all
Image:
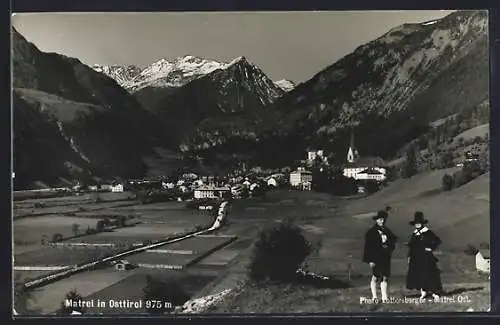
{"x":352,"y":153}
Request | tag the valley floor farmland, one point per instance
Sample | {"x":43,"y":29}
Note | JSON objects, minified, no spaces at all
{"x":334,"y":226}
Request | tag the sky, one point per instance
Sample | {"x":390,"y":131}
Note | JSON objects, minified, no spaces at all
{"x":285,"y":45}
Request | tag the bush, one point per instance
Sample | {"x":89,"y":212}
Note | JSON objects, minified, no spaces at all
{"x":74,"y":296}
{"x":447,"y":182}
{"x":40,"y":205}
{"x":446,"y":159}
{"x":278,"y":254}
{"x":466,"y":174}
{"x":156,"y":290}
{"x":100,"y":225}
{"x":372,"y":186}
{"x":410,"y":164}
{"x":57,"y":238}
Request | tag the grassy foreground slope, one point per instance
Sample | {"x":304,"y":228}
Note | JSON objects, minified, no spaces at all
{"x":460,"y":217}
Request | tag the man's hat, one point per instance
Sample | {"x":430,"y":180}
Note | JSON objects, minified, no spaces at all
{"x":381,"y":214}
{"x":418,"y":218}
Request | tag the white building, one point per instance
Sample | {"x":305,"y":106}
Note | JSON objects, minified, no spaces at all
{"x":363,"y":168}
{"x":371,"y":174}
{"x":167,"y":185}
{"x":117,"y":188}
{"x":483,"y":260}
{"x":271,"y":181}
{"x":312,"y":155}
{"x":300,"y":176}
{"x":106,"y":187}
{"x":210,"y":192}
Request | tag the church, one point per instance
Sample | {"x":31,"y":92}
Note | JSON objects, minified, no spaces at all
{"x":363,"y":168}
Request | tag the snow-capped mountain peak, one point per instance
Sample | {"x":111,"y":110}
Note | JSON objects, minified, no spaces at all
{"x":284,"y":84}
{"x":122,"y":74}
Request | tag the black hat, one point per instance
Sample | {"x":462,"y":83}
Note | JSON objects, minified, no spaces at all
{"x":418,"y":218}
{"x":381,"y":214}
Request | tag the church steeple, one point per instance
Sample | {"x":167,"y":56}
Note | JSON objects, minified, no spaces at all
{"x":352,"y":153}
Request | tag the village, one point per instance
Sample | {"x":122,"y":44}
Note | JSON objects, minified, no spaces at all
{"x":244,"y":182}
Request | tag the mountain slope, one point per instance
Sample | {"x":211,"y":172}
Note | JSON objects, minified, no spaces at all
{"x":284,"y":84}
{"x":223,"y":103}
{"x":162,"y":73}
{"x":60,"y":100}
{"x":392,"y":87}
{"x":123,"y":75}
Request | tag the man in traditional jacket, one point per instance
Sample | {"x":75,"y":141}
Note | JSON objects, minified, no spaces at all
{"x":380,"y":242}
{"x":423,"y":272}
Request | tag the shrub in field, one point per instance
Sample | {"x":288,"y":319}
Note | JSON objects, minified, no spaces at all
{"x":100,"y":225}
{"x":447,"y":182}
{"x":278,"y":254}
{"x":158,"y":293}
{"x":90,"y":231}
{"x":72,"y":296}
{"x":372,"y":186}
{"x":466,"y":174}
{"x":40,"y":205}
{"x":410,"y":164}
{"x":75,"y":228}
{"x":57,"y":238}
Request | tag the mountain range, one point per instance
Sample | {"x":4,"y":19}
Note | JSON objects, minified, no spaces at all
{"x":387,"y":91}
{"x":71,"y":120}
{"x":391,"y":88}
{"x":169,"y":73}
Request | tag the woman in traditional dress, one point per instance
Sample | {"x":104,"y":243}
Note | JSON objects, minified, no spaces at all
{"x":423,"y":272}
{"x":380,"y":242}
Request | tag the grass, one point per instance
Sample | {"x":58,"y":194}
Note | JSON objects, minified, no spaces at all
{"x":60,"y":256}
{"x":478,"y":131}
{"x":63,"y":109}
{"x":131,"y":287}
{"x":290,"y":299}
{"x":32,"y":230}
{"x":47,"y":299}
{"x":336,"y":228}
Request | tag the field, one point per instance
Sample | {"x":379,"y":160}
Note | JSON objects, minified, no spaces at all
{"x":47,"y":299}
{"x":131,"y":288}
{"x":197,"y":245}
{"x":155,"y":222}
{"x":336,"y":228}
{"x":31,"y":231}
{"x":478,"y":131}
{"x":60,"y":256}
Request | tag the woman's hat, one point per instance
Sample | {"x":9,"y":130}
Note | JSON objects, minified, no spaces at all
{"x":418,"y":218}
{"x":381,"y":214}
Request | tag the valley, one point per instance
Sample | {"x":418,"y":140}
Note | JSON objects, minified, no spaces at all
{"x":134,"y":182}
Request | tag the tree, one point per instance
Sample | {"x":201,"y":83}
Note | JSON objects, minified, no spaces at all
{"x":68,"y":305}
{"x":410,"y":165}
{"x":163,"y":293}
{"x":121,"y":220}
{"x":278,"y":254}
{"x":57,"y":238}
{"x":447,"y":182}
{"x":75,"y":228}
{"x":100,"y":226}
{"x":446,"y":159}
{"x":372,"y":186}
